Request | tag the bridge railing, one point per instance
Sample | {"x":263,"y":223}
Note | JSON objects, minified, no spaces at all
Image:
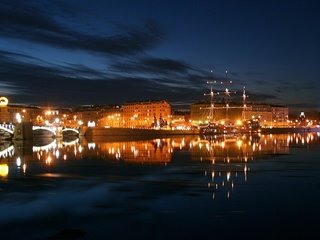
{"x":8,"y":126}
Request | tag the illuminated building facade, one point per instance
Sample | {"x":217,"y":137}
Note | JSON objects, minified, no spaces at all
{"x":8,"y":113}
{"x":200,"y":113}
{"x":269,"y":115}
{"x":111,"y":117}
{"x":261,"y":111}
{"x":147,"y":114}
{"x":98,"y":115}
{"x":180,"y":120}
{"x":280,"y":116}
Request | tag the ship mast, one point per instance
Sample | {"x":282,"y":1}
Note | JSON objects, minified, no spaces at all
{"x":227,"y":96}
{"x":211,"y":94}
{"x":244,"y":98}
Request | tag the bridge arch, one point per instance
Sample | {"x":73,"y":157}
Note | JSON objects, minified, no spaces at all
{"x":71,"y":143}
{"x":71,"y":129}
{"x":52,"y":130}
{"x":9,"y":151}
{"x":47,"y":147}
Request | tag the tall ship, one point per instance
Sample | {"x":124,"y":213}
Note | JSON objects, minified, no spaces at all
{"x":226,"y":126}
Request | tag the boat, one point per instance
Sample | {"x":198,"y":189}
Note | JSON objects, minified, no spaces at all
{"x":227,"y":126}
{"x":250,"y":126}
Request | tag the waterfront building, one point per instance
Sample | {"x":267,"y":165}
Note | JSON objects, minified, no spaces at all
{"x":269,"y":115}
{"x":180,"y":120}
{"x":200,"y":113}
{"x":261,"y":111}
{"x":111,"y":117}
{"x":280,"y":116}
{"x":147,"y":114}
{"x":12,"y":113}
{"x":48,"y":117}
{"x":98,"y":115}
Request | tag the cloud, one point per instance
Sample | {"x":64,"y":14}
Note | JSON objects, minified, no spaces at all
{"x":43,"y":83}
{"x":168,"y":65}
{"x":151,"y":66}
{"x":30,"y":80}
{"x":21,"y":21}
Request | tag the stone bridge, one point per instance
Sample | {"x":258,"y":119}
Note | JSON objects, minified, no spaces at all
{"x":27,"y":131}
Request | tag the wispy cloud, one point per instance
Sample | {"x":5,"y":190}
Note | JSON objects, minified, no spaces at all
{"x":37,"y":82}
{"x":152,"y":65}
{"x":23,"y":21}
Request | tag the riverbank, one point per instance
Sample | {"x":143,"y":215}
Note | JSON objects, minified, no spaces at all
{"x":147,"y":133}
{"x":100,"y":132}
{"x":289,"y":130}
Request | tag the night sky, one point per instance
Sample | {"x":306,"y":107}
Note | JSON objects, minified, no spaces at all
{"x":100,"y":52}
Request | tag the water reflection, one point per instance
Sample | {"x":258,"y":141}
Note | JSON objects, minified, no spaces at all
{"x":209,"y":183}
{"x":221,"y":153}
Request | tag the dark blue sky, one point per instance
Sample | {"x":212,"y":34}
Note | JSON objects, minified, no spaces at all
{"x":95,"y":52}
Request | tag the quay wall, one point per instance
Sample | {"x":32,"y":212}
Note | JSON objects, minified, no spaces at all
{"x":289,"y":130}
{"x":134,"y":132}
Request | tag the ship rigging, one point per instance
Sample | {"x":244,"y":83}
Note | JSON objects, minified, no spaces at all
{"x":226,"y":126}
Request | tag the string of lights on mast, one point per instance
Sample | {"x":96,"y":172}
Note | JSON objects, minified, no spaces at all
{"x":226,"y":93}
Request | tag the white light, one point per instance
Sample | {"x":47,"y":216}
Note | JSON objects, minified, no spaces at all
{"x":91,"y":124}
{"x":91,"y":146}
{"x":18,"y":118}
{"x":57,"y":153}
{"x":18,"y":162}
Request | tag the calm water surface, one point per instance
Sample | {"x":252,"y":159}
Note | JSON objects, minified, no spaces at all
{"x":258,"y":187}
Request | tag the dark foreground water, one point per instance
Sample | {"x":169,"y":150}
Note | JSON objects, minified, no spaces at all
{"x":258,"y":187}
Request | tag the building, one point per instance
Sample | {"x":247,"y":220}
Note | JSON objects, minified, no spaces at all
{"x":269,"y":115}
{"x":111,"y":117}
{"x":260,"y":111}
{"x":280,"y":116}
{"x":200,"y":113}
{"x":98,"y":115}
{"x":180,"y":120}
{"x":147,"y":114}
{"x":13,"y":113}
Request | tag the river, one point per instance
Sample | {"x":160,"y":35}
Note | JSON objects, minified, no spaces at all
{"x":249,"y":187}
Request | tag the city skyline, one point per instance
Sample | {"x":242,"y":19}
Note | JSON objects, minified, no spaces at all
{"x":80,"y":52}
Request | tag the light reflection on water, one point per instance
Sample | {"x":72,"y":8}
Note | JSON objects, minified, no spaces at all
{"x":156,"y":151}
{"x":138,"y":173}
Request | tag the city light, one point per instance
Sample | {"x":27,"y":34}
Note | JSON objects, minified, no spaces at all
{"x":4,"y":170}
{"x":18,"y":117}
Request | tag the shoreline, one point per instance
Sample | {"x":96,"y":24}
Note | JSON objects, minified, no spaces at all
{"x":99,"y":133}
{"x":289,"y":130}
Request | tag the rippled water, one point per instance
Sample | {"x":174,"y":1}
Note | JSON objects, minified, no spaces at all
{"x":250,"y":187}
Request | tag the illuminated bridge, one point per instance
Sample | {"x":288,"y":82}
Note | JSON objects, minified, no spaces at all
{"x":11,"y":130}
